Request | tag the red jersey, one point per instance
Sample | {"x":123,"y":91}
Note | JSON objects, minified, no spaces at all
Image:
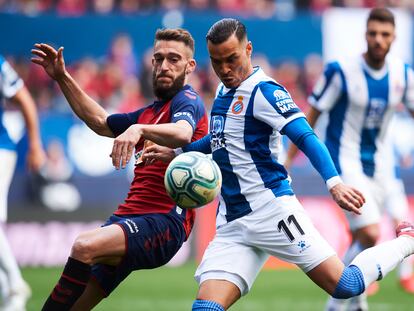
{"x":147,"y":194}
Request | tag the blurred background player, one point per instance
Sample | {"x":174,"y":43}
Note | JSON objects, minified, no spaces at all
{"x":360,"y":96}
{"x":258,"y":214}
{"x":14,"y":289}
{"x":148,"y":229}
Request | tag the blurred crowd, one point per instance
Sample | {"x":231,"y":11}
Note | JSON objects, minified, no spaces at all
{"x":120,"y":82}
{"x":258,"y":8}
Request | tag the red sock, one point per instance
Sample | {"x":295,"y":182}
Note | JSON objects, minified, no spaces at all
{"x":70,"y":286}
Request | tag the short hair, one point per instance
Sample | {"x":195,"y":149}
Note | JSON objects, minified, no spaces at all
{"x":177,"y":34}
{"x":381,"y":15}
{"x":224,"y":29}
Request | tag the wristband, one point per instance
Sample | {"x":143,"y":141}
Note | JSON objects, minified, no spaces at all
{"x":333,"y":181}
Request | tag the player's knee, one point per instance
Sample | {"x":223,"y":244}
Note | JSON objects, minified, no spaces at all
{"x":350,"y":284}
{"x":82,"y":249}
{"x":206,"y":305}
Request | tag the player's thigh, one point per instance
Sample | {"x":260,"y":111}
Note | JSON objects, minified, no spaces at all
{"x":91,"y":296}
{"x":7,"y":164}
{"x":327,"y":274}
{"x":100,"y":243}
{"x":374,"y":196}
{"x":223,"y":292}
{"x":229,"y":258}
{"x":286,"y":232}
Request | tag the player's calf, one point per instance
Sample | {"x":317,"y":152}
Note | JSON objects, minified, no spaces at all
{"x":70,"y":286}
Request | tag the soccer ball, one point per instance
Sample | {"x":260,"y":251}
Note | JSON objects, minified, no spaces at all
{"x":192,"y":179}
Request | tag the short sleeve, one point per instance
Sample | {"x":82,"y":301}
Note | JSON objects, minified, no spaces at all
{"x":328,"y":88}
{"x":120,"y":122}
{"x":187,"y":105}
{"x":274,"y":105}
{"x":9,"y":80}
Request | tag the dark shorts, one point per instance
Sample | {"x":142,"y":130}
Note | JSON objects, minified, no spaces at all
{"x":152,"y":240}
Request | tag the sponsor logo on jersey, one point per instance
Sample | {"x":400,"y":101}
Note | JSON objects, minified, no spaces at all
{"x":185,"y":113}
{"x":238,"y":106}
{"x":283,"y":101}
{"x":217,"y":135}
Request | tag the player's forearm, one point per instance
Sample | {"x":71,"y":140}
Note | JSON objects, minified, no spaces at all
{"x":84,"y":106}
{"x":302,"y":135}
{"x":202,"y":145}
{"x":171,"y":135}
{"x":28,"y":108}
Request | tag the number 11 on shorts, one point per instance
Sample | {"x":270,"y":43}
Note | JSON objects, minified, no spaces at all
{"x":284,"y":226}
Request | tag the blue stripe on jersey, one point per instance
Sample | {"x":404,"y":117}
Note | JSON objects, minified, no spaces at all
{"x":236,"y":203}
{"x":335,"y":123}
{"x":374,"y":114}
{"x":406,"y":68}
{"x":329,"y":73}
{"x":256,"y":140}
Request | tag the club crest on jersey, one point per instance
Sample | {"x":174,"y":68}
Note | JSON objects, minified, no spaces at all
{"x":238,"y":106}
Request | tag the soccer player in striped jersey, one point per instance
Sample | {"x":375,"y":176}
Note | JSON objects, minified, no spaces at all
{"x":360,"y":96}
{"x":15,"y":289}
{"x":148,"y":229}
{"x":258,"y":213}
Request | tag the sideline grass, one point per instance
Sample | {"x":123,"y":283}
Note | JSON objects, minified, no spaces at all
{"x":173,"y":289}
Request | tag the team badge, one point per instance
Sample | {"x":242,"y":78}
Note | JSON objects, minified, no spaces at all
{"x":238,"y":106}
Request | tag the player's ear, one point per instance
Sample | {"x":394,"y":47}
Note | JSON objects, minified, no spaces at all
{"x":249,"y":48}
{"x":191,"y":65}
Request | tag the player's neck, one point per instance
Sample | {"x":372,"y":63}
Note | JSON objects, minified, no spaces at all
{"x":374,"y":64}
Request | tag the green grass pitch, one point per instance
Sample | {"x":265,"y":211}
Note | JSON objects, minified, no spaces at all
{"x":173,"y":289}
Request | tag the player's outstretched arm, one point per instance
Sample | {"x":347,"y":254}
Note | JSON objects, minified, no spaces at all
{"x":84,"y":106}
{"x":302,"y":135}
{"x":312,"y":116}
{"x":35,"y":154}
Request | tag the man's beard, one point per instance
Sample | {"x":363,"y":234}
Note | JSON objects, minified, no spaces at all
{"x":166,"y":93}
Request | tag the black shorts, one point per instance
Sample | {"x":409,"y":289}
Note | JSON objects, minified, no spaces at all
{"x":151,"y":241}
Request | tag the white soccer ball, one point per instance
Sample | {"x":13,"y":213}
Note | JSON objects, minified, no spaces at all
{"x":192,"y":179}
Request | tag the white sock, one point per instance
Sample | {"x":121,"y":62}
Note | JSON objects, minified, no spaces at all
{"x":334,"y":304}
{"x":378,"y":261}
{"x":8,"y":263}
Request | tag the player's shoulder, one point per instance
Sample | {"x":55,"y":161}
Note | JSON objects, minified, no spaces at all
{"x":273,"y":88}
{"x":187,"y":94}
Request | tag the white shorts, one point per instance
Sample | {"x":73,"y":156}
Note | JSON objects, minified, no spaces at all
{"x":241,"y":247}
{"x":396,"y":203}
{"x":381,"y":194}
{"x":8,"y":160}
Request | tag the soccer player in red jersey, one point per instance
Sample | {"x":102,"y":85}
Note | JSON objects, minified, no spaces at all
{"x":148,"y":229}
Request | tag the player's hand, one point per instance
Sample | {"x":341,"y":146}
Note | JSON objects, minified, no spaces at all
{"x":348,"y":198}
{"x":124,"y":146}
{"x":36,"y":158}
{"x":50,"y":59}
{"x":157,"y":153}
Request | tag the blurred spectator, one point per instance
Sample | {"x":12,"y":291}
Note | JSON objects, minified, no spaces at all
{"x":122,"y":55}
{"x":71,"y":7}
{"x":103,"y":6}
{"x":199,"y":5}
{"x":129,"y":6}
{"x":53,"y":184}
{"x":312,"y":70}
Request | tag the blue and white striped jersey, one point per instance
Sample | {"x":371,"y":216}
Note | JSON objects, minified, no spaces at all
{"x":359,"y":102}
{"x":245,"y":141}
{"x":10,"y":83}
